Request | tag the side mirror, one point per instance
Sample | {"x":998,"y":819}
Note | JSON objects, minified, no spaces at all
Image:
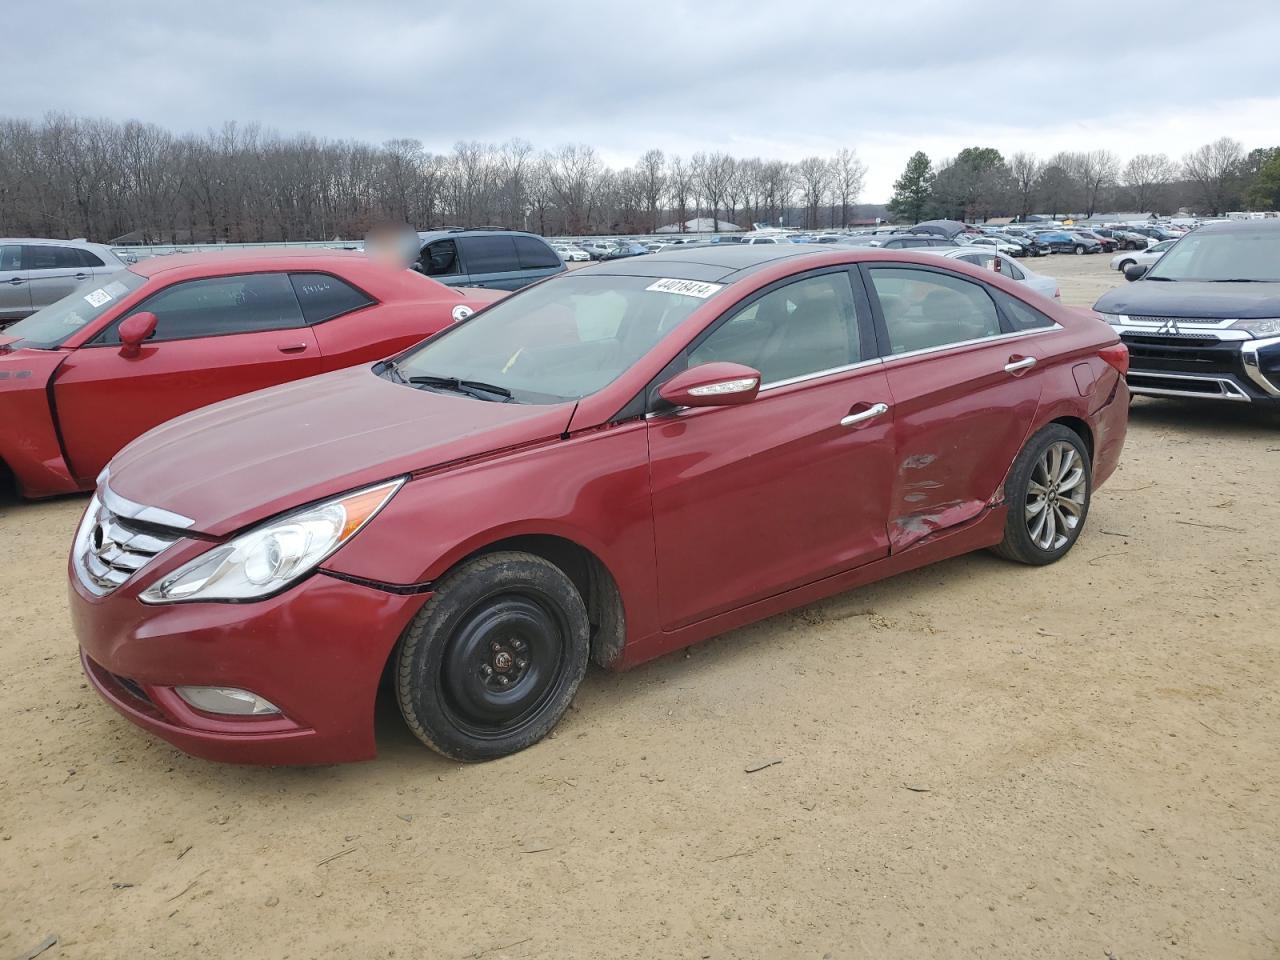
{"x":134,"y":330}
{"x":1135,"y":271}
{"x":712,"y":385}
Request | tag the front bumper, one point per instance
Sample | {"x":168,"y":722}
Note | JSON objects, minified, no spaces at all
{"x":1202,"y":367}
{"x":316,"y":651}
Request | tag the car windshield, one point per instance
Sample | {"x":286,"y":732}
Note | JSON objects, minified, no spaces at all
{"x":557,"y":341}
{"x":51,"y":326}
{"x":1238,"y":255}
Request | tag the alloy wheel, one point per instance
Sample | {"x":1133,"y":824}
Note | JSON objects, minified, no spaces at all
{"x":1055,"y":496}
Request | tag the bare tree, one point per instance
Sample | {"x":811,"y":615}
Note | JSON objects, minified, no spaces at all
{"x":680,"y":189}
{"x":1215,"y":168}
{"x":1025,"y":170}
{"x":1097,"y":171}
{"x":1146,"y":176}
{"x":653,"y":181}
{"x":847,"y":175}
{"x":813,"y":173}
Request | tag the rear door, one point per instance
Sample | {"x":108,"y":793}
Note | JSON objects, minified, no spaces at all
{"x":215,"y":338}
{"x":53,"y":272}
{"x":492,"y":262}
{"x":536,"y":259}
{"x":965,"y":389}
{"x":15,"y":291}
{"x":755,"y":499}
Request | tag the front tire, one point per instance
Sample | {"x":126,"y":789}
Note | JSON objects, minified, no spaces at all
{"x":1048,"y":491}
{"x":1125,"y":265}
{"x":1079,"y":249}
{"x":491,"y":663}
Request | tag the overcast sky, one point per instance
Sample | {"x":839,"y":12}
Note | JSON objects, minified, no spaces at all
{"x":775,"y":78}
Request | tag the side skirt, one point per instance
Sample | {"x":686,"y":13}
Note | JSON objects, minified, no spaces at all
{"x":983,"y":531}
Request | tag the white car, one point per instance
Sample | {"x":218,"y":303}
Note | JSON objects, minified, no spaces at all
{"x":768,"y":238}
{"x":1144,"y":257}
{"x":1004,"y":246}
{"x":1044,"y":285}
{"x":569,"y":253}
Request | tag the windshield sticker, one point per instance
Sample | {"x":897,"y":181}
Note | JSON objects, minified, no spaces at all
{"x":686,"y":288}
{"x":97,"y":298}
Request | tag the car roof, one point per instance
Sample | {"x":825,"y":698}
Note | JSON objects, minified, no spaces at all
{"x":52,"y":241}
{"x":249,"y":261}
{"x":1239,"y":226}
{"x":426,"y":236}
{"x":714,"y":263}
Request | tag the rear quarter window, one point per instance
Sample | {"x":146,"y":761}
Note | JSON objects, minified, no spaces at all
{"x":1021,"y":316}
{"x":489,"y":254}
{"x":534,"y":254}
{"x":323,"y":296}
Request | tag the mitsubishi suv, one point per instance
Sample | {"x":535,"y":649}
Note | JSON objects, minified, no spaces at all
{"x":1203,"y":322}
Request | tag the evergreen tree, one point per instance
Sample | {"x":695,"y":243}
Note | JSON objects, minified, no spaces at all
{"x":913,"y":191}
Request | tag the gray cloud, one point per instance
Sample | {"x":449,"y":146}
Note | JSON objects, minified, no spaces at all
{"x":780,"y":79}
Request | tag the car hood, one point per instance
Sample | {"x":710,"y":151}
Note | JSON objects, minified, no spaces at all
{"x":240,"y":461}
{"x":1191,"y":299}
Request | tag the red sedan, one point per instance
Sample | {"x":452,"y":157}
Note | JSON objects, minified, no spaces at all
{"x":609,"y":465}
{"x":84,"y":376}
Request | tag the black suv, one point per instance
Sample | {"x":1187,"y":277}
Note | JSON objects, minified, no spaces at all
{"x":499,"y":259}
{"x":1204,"y":320}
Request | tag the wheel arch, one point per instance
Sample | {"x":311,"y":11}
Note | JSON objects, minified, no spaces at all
{"x":1080,"y":428}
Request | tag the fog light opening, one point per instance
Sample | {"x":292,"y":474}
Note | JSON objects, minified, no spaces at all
{"x":227,"y":700}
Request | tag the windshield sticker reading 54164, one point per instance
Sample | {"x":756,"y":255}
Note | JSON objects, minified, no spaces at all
{"x":687,"y":288}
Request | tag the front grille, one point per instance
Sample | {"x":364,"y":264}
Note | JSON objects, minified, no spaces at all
{"x":1176,"y":385}
{"x":1197,"y":355}
{"x":117,"y":547}
{"x":132,"y":687}
{"x":1178,"y":321}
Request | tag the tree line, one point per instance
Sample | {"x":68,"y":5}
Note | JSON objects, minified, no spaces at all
{"x":67,"y":176}
{"x":979,"y":183}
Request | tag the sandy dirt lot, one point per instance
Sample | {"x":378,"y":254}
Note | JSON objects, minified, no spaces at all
{"x":977,"y":760}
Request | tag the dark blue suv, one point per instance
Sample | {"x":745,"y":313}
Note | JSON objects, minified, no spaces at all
{"x":499,"y":259}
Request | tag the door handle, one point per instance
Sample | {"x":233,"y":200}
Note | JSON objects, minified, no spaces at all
{"x":873,"y":411}
{"x":82,"y":276}
{"x":291,"y":347}
{"x":1017,"y":366}
{"x":16,"y":281}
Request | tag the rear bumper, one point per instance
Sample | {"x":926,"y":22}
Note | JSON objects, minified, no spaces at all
{"x":316,"y":651}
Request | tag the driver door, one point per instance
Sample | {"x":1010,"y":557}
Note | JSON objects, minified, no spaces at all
{"x":215,"y":338}
{"x":755,"y":499}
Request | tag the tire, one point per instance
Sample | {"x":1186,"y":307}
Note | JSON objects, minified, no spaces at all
{"x":491,"y":663}
{"x":1033,"y":536}
{"x":1079,"y":249}
{"x":1125,"y":265}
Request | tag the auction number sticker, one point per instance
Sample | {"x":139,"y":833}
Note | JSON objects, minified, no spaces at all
{"x":97,"y":298}
{"x":686,"y":288}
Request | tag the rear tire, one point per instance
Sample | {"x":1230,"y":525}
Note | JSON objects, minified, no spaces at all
{"x":1048,"y":490}
{"x":491,"y":663}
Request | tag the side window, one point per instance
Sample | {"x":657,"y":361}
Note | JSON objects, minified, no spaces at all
{"x":218,"y":305}
{"x":324,"y":296}
{"x":1012,"y":270}
{"x":440,"y":259}
{"x":977,"y":259}
{"x":1021,"y":316}
{"x":495,"y":254}
{"x":10,"y":257}
{"x":44,"y":257}
{"x":534,"y":254}
{"x":802,"y":328}
{"x":88,"y":259}
{"x":923,"y":309}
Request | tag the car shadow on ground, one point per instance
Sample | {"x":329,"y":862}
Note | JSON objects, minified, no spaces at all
{"x":1218,"y":418}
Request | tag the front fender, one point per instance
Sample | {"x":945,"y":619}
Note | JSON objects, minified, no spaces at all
{"x":591,"y":489}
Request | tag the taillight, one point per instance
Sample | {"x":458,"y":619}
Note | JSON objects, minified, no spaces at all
{"x":1117,"y":355}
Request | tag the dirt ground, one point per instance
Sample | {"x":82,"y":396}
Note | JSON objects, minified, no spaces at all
{"x":976,"y":759}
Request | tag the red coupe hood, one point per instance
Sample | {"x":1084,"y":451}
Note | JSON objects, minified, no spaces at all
{"x":236,"y":462}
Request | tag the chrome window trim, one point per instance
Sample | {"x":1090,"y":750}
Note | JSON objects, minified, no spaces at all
{"x":997,"y":338}
{"x":829,"y":372}
{"x":124,"y":507}
{"x":1253,"y":368}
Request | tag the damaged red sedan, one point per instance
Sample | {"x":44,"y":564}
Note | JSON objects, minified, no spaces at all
{"x":607,"y":466}
{"x":84,"y":376}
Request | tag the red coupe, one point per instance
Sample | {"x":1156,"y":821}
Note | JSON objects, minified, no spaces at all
{"x":609,"y":465}
{"x":84,"y":376}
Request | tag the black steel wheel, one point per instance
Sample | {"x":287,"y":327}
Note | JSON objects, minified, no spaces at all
{"x":490,"y":664}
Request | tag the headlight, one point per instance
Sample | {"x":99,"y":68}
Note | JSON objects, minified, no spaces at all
{"x":1114,"y":317}
{"x":270,"y":557}
{"x":1262,"y":327}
